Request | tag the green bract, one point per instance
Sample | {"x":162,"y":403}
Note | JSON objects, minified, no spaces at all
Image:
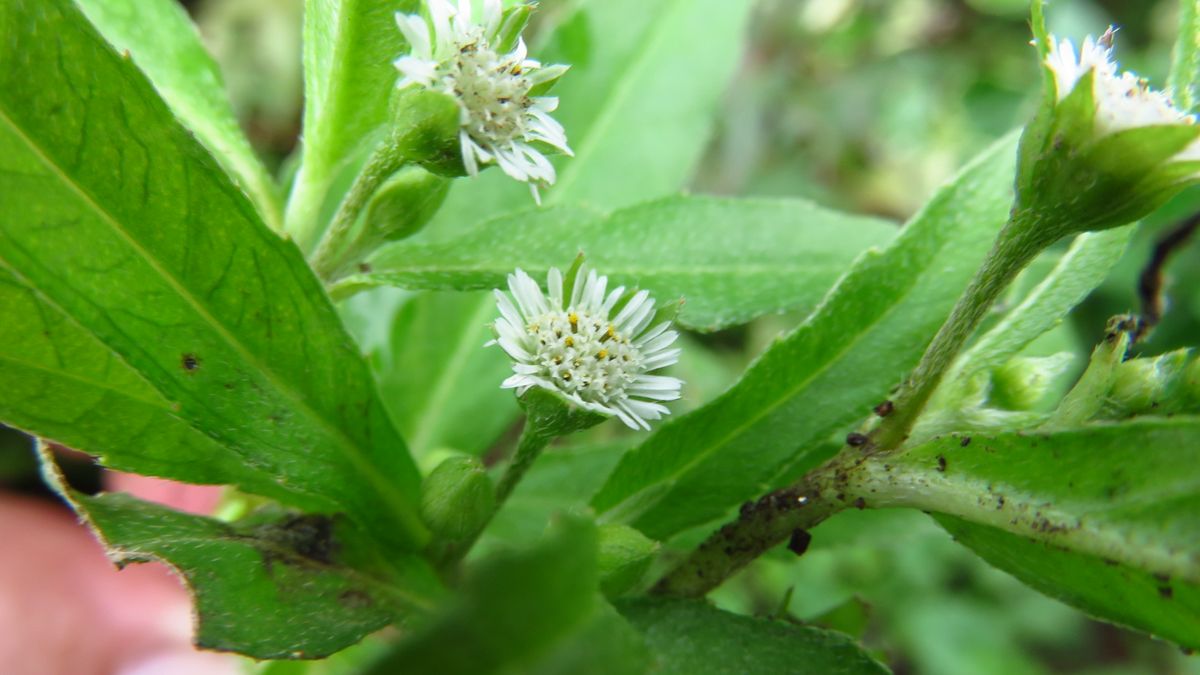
{"x":457,"y":498}
{"x":1104,"y":149}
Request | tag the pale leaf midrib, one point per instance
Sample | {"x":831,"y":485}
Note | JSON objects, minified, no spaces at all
{"x":349,"y":448}
{"x":916,"y":486}
{"x":81,"y":379}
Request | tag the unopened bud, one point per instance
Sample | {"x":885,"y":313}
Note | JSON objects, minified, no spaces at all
{"x":624,"y":557}
{"x":404,"y":204}
{"x":1148,"y":385}
{"x":1022,"y":382}
{"x":425,"y":130}
{"x":457,"y":499}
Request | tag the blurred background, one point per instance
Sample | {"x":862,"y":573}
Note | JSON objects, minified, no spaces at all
{"x":867,"y":106}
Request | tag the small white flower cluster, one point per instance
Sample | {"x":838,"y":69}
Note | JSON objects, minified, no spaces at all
{"x":1123,"y":100}
{"x":570,"y":346}
{"x":499,"y":118}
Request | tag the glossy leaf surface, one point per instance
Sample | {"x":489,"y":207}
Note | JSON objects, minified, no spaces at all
{"x":122,"y":222}
{"x":730,"y":260}
{"x":687,"y":637}
{"x":163,"y":42}
{"x":823,"y":376}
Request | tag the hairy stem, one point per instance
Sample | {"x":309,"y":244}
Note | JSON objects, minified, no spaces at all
{"x":1016,"y":246}
{"x":385,"y":161}
{"x":790,"y":512}
{"x":528,"y":448}
{"x":782,"y":515}
{"x":532,"y":442}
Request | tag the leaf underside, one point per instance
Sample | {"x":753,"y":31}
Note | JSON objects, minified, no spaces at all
{"x":1105,"y":517}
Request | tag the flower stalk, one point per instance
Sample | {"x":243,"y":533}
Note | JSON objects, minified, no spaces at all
{"x":529,"y":447}
{"x":385,"y":161}
{"x":423,"y":134}
{"x":1018,"y":243}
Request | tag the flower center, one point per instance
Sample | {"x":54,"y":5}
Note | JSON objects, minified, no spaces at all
{"x":492,"y":90}
{"x":582,"y":353}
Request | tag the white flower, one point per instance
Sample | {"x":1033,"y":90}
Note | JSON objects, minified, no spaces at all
{"x":570,"y":346}
{"x":499,"y":119}
{"x":1122,"y":99}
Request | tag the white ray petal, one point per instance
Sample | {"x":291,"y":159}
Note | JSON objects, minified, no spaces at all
{"x":554,"y":283}
{"x":634,"y":305}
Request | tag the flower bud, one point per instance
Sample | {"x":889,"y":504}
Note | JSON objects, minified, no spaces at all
{"x":1148,"y":385}
{"x":624,"y":557}
{"x":457,"y":499}
{"x":1022,"y":382}
{"x":404,"y":204}
{"x":1105,"y":148}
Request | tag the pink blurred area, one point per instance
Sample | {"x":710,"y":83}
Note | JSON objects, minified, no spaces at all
{"x":65,"y":609}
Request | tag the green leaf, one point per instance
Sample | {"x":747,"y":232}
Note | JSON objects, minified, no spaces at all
{"x":605,"y":645}
{"x":123,"y":223}
{"x":63,"y":383}
{"x":163,"y":42}
{"x":510,"y":611}
{"x":1103,"y":588}
{"x":275,"y":586}
{"x":349,"y":47}
{"x":687,"y":637}
{"x":654,"y":80}
{"x":1080,"y":270}
{"x":1113,"y":511}
{"x":437,"y":373}
{"x":1185,"y":61}
{"x":826,"y":374}
{"x":729,"y":259}
{"x":645,"y":75}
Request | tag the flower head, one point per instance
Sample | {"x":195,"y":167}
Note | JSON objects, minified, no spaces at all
{"x":1122,"y":99}
{"x":564,"y":341}
{"x":483,"y":66}
{"x":1104,"y":149}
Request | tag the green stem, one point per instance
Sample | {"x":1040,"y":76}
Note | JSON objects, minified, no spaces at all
{"x":528,"y":448}
{"x":761,"y":525}
{"x":385,"y":161}
{"x":532,"y":442}
{"x":1088,"y":395}
{"x":1015,"y":247}
{"x":790,"y":512}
